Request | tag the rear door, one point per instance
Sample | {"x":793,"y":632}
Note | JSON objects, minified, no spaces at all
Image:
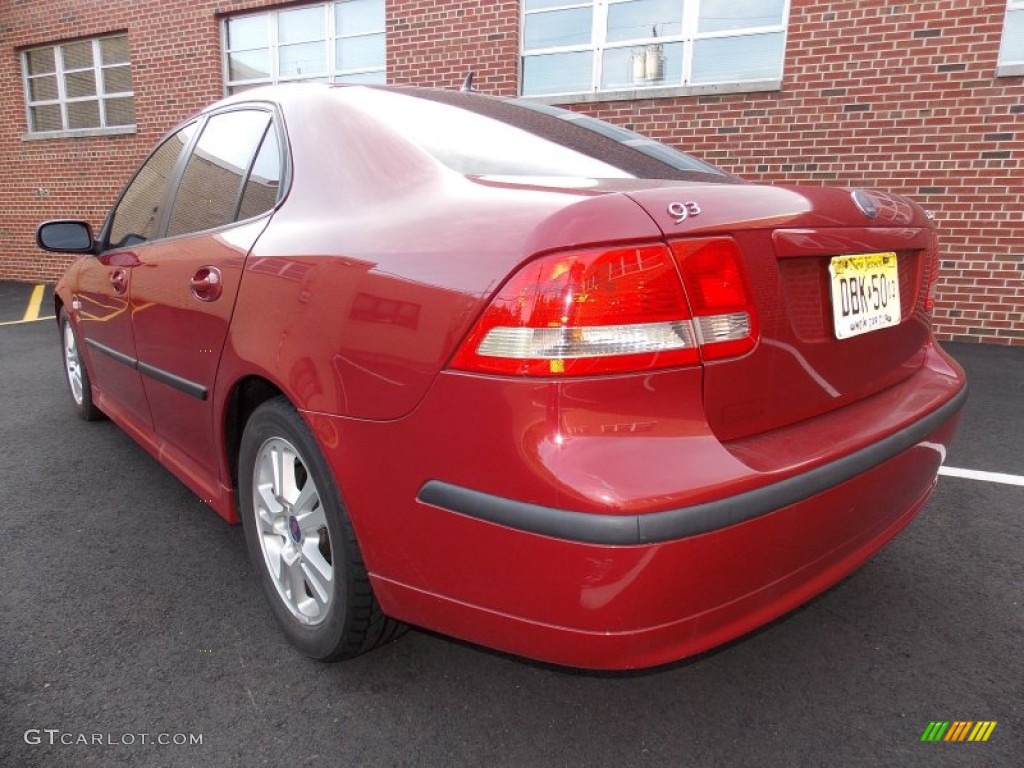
{"x":185,"y":286}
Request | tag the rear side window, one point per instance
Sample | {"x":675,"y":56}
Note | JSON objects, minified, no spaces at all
{"x":260,"y":193}
{"x":137,"y":214}
{"x":210,"y":187}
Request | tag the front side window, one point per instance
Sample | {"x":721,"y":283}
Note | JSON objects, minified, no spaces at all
{"x":337,"y":42}
{"x":137,"y":215}
{"x":1011,"y":52}
{"x":593,"y":46}
{"x":81,"y":85}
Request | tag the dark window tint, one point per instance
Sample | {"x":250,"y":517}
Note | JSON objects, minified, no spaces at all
{"x":136,"y":215}
{"x":260,"y":194}
{"x":209,"y":189}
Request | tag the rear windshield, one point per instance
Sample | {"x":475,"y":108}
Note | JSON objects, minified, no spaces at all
{"x":478,"y":135}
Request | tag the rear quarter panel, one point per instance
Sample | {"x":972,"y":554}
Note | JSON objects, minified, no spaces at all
{"x":380,"y":259}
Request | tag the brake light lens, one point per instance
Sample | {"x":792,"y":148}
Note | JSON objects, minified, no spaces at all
{"x":613,"y":311}
{"x":926,"y":301}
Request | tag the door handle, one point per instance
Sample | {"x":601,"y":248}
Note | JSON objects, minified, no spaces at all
{"x":119,"y":279}
{"x":207,"y":284}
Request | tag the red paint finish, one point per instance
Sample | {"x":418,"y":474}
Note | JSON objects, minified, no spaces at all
{"x":357,"y":296}
{"x":648,"y":449}
{"x":101,"y":288}
{"x":185,"y":335}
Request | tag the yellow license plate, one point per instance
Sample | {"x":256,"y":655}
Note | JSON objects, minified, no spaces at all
{"x":865,"y":293}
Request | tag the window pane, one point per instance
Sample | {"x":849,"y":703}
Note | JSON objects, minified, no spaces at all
{"x":301,"y":25}
{"x":1012,"y":50}
{"x":374,"y":78}
{"x":363,"y":52}
{"x":249,"y":65}
{"x":643,"y":65}
{"x":536,"y":5}
{"x":79,"y":84}
{"x":729,"y":59}
{"x":638,"y":19}
{"x":209,"y":188}
{"x":303,"y":59}
{"x":47,"y":118}
{"x":77,"y":55}
{"x":557,"y":28}
{"x":358,"y":17}
{"x":84,"y":114}
{"x":114,"y":50}
{"x":40,"y":61}
{"x":117,"y":80}
{"x":476,"y":144}
{"x":261,"y":187}
{"x":120,"y":111}
{"x":42,"y":88}
{"x":722,"y":15}
{"x":136,"y":214}
{"x":558,"y":73}
{"x":239,"y":88}
{"x":248,"y":32}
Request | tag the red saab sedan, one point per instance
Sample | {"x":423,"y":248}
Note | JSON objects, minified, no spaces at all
{"x":509,"y":372}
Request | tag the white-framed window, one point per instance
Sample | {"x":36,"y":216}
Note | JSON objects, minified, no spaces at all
{"x":596,"y":46}
{"x":82,"y":85}
{"x":1011,"y":52}
{"x":336,"y":42}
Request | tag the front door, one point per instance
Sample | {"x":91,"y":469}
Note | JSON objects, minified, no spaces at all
{"x":104,"y":303}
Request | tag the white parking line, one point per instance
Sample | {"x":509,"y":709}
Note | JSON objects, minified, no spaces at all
{"x":988,"y":477}
{"x":23,"y":322}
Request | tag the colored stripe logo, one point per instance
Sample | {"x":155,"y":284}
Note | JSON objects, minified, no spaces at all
{"x":958,"y":730}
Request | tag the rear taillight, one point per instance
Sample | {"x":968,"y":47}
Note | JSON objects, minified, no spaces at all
{"x":613,"y":311}
{"x":926,"y":302}
{"x":723,"y":312}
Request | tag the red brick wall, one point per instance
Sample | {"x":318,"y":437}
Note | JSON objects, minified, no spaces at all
{"x":437,"y":44}
{"x":899,"y":96}
{"x":176,"y":70}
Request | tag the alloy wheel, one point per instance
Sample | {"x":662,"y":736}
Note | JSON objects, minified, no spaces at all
{"x":73,"y":364}
{"x":292,"y":530}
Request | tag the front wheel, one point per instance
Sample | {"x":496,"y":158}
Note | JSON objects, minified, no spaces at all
{"x":301,"y":542}
{"x":75,"y":373}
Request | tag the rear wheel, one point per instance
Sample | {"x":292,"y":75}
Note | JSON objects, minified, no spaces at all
{"x":75,"y":374}
{"x":301,"y":542}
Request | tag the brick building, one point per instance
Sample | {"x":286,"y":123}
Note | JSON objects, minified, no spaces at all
{"x":924,"y":99}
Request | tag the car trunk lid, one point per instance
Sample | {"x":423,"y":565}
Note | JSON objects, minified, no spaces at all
{"x":789,"y":238}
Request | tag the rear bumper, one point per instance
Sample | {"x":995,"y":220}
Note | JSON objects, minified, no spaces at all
{"x":670,"y":566}
{"x":698,"y":625}
{"x":683,"y":522}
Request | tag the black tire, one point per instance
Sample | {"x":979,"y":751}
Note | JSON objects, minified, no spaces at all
{"x":348,"y":621}
{"x":75,"y":374}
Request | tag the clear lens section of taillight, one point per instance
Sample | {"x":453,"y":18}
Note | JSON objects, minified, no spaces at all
{"x":615,"y":310}
{"x":588,"y":341}
{"x":720,"y":328}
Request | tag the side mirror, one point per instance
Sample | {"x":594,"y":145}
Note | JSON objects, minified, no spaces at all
{"x":65,"y":236}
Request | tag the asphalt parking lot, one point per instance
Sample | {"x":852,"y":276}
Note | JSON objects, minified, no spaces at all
{"x":128,"y":612}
